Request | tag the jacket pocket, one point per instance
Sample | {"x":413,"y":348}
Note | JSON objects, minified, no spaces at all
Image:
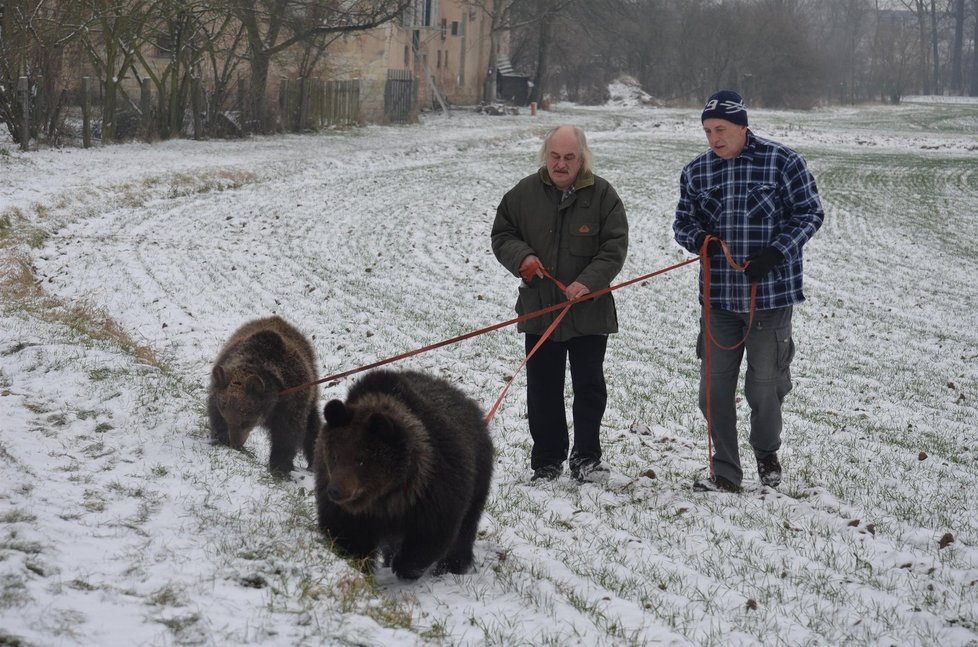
{"x":786,"y":347}
{"x":595,"y":316}
{"x":709,"y":207}
{"x":529,"y":300}
{"x":584,"y":240}
{"x":763,"y":202}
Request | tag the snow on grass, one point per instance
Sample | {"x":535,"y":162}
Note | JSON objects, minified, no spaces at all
{"x":125,"y":268}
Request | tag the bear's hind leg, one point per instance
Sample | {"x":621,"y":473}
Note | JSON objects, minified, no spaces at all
{"x":460,"y":558}
{"x":285,"y":445}
{"x":313,"y":426}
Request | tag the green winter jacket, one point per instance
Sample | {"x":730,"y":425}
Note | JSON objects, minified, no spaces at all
{"x":583,"y":239}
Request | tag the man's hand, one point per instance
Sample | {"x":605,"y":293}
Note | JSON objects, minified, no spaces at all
{"x":713,"y":249}
{"x":530,"y":268}
{"x":575,"y":290}
{"x":762,"y":262}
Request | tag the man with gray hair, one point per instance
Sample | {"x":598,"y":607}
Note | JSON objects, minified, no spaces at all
{"x":568,"y":221}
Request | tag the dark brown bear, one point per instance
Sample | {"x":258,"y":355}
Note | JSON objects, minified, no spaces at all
{"x":260,"y":359}
{"x":403,"y":467}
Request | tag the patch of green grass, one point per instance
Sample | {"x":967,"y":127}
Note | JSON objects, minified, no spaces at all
{"x":19,"y":289}
{"x":100,"y":374}
{"x":17,"y":515}
{"x":13,"y":591}
{"x":167,"y":596}
{"x":12,"y":543}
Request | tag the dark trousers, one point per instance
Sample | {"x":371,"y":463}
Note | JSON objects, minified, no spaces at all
{"x":769,"y":350}
{"x":545,"y":373}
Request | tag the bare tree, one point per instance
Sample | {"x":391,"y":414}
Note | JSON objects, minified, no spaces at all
{"x":974,"y":53}
{"x":956,"y":83}
{"x":112,"y":32}
{"x":919,"y":10}
{"x":843,"y":27}
{"x":895,"y":54}
{"x":196,"y":43}
{"x":785,"y":68}
{"x":500,"y":15}
{"x":273,"y":26}
{"x":935,"y":56}
{"x":515,"y":17}
{"x":15,"y":61}
{"x":543,"y":17}
{"x":33,"y":35}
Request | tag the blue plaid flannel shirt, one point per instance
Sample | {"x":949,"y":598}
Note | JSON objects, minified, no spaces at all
{"x":765,"y":196}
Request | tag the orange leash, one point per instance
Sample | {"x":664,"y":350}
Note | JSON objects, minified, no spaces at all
{"x":708,"y":340}
{"x":475,"y":333}
{"x":546,"y":334}
{"x":543,"y":338}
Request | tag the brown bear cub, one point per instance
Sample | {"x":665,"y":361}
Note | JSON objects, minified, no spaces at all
{"x":403,"y":467}
{"x":260,"y":359}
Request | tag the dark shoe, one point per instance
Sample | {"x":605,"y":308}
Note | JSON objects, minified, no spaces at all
{"x":546,"y":473}
{"x":769,"y":469}
{"x":716,"y":484}
{"x":590,"y":472}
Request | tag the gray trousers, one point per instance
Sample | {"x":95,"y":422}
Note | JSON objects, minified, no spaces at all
{"x":769,"y":350}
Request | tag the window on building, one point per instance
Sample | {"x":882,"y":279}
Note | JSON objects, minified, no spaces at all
{"x":454,"y":28}
{"x":444,"y":28}
{"x":163,"y":45}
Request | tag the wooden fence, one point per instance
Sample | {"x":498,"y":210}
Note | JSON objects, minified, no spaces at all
{"x":304,"y":105}
{"x":308,"y":104}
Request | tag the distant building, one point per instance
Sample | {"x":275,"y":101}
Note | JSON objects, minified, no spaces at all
{"x":441,"y":45}
{"x":435,"y":53}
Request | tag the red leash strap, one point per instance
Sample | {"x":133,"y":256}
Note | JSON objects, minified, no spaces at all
{"x":482,"y":331}
{"x":546,"y":335}
{"x":543,"y":338}
{"x":708,"y":340}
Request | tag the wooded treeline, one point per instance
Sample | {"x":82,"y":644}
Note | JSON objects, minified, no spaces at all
{"x":778,"y":53}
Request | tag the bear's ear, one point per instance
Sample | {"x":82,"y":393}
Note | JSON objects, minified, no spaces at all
{"x":384,"y":427}
{"x":336,"y":413}
{"x":255,"y":385}
{"x":220,"y":376}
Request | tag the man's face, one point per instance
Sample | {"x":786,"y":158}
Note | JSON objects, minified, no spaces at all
{"x":563,"y":158}
{"x":726,"y":139}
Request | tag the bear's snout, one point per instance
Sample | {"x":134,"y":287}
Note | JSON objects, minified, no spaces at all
{"x":335,"y":493}
{"x":238,"y":436}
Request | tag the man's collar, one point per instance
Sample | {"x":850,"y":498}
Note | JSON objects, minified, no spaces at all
{"x":584,"y":179}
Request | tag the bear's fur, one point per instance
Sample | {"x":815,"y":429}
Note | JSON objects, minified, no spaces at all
{"x":260,"y":359}
{"x":403,"y":467}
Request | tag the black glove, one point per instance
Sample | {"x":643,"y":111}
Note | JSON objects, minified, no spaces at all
{"x":713,"y":249}
{"x":762,"y":262}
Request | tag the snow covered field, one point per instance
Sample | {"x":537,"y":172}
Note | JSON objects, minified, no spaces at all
{"x":123,"y":270}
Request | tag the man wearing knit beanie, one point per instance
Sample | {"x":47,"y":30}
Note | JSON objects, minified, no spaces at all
{"x":757,"y":198}
{"x":727,"y":128}
{"x":727,"y":105}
